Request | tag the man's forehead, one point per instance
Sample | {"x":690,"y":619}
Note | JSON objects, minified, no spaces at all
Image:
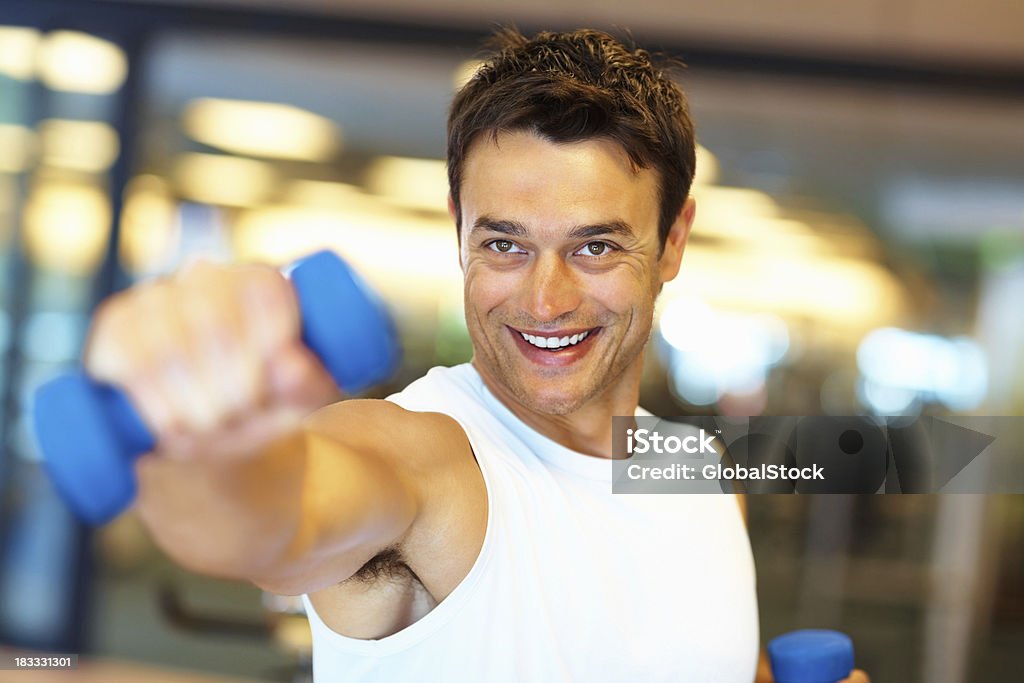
{"x":521,"y":178}
{"x":494,"y":145}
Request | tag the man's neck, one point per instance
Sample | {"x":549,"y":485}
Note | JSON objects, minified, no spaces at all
{"x":587,"y":430}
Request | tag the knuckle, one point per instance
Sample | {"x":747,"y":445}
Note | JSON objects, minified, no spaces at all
{"x":210,"y":308}
{"x":269,"y":311}
{"x":208,"y":330}
{"x":266,"y":287}
{"x":190,"y":414}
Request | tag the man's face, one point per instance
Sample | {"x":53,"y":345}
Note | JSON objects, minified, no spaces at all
{"x":560,"y":250}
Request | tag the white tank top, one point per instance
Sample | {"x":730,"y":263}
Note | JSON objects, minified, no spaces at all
{"x":572,"y":583}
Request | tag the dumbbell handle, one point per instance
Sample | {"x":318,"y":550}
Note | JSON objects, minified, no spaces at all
{"x":811,"y":656}
{"x":75,"y":417}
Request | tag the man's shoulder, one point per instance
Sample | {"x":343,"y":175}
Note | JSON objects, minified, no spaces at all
{"x":439,"y":385}
{"x":416,"y":413}
{"x":388,"y":429}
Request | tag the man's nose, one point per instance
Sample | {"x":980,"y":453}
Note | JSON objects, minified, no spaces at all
{"x":552,"y":288}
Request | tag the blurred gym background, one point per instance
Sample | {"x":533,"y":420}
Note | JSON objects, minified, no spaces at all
{"x":859,"y":249}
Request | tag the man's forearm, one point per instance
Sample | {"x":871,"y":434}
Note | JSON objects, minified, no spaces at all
{"x":306,"y":512}
{"x":231,"y":519}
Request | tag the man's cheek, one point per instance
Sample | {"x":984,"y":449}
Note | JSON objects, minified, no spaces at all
{"x":492,"y":283}
{"x":620,"y":297}
{"x":483,"y":297}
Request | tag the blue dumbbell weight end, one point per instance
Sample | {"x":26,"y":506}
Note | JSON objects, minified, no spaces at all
{"x":89,"y":434}
{"x":811,"y":656}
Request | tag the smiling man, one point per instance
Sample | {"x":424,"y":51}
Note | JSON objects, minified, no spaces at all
{"x":464,"y":529}
{"x":562,"y":263}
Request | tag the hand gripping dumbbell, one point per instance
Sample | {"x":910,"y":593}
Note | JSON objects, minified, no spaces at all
{"x":811,"y":656}
{"x":90,"y":435}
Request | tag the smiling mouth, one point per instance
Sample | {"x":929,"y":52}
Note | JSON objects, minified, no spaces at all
{"x":555,"y":343}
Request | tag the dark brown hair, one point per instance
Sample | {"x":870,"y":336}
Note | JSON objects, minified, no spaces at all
{"x":569,"y":87}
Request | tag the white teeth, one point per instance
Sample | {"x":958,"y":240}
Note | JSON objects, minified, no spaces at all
{"x":555,"y":342}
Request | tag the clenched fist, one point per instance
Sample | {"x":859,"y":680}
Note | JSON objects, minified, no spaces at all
{"x":211,"y":358}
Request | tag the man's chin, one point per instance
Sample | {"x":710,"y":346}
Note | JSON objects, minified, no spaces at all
{"x":542,"y":390}
{"x":549,"y":400}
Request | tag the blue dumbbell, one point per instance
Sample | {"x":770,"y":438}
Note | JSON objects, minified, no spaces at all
{"x":811,"y":656}
{"x":90,"y":435}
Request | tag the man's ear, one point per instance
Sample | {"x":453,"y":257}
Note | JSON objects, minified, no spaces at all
{"x":675,"y":243}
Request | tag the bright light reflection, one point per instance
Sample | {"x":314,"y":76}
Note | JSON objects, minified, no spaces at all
{"x":17,"y":144}
{"x":410,"y":183}
{"x":78,"y":62}
{"x":953,"y":372}
{"x":66,"y":226}
{"x":90,"y":146}
{"x":262,"y":129}
{"x":847,"y":293}
{"x":403,"y":256}
{"x":224,"y":180}
{"x":712,"y":352}
{"x":149,"y":226}
{"x":18,"y":51}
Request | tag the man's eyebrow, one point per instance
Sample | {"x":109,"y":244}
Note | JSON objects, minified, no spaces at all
{"x":513,"y":228}
{"x":620,"y":228}
{"x":517,"y":229}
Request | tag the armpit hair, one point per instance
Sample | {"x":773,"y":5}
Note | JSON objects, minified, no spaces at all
{"x":388,"y":564}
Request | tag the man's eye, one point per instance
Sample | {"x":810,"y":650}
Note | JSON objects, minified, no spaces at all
{"x":503,"y":246}
{"x":595,"y":249}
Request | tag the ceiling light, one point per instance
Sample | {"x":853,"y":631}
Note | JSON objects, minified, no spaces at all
{"x":223,"y":180}
{"x":16,"y":144}
{"x":18,"y":51}
{"x":66,"y":226}
{"x":78,"y":62}
{"x":262,"y":129}
{"x":420,"y":184}
{"x":149,"y":225}
{"x":90,"y":146}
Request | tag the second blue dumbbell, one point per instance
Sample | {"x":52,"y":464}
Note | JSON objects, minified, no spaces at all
{"x":811,"y":656}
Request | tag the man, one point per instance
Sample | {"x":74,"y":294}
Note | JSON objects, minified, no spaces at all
{"x":464,"y":529}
